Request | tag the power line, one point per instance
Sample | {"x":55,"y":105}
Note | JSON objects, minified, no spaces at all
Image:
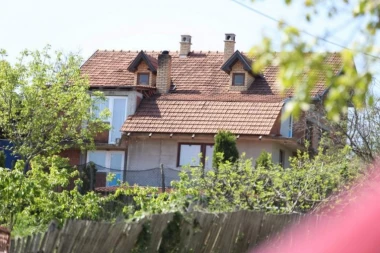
{"x":302,"y":31}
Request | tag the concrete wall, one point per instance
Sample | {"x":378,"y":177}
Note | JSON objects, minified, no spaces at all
{"x":147,"y":153}
{"x":133,"y":98}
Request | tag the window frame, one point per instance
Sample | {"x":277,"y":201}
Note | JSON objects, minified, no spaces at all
{"x":110,"y":107}
{"x":139,"y":75}
{"x":203,"y":151}
{"x":107,"y":161}
{"x":233,"y":79}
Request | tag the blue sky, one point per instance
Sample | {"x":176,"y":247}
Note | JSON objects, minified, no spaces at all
{"x":82,"y":26}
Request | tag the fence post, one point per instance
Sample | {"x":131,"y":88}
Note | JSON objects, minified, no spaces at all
{"x":162,"y":177}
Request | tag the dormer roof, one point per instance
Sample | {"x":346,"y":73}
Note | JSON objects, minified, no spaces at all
{"x":237,"y":56}
{"x":149,"y":60}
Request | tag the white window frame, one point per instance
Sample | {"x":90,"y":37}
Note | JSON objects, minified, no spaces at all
{"x":290,"y":133}
{"x":108,"y":161}
{"x":110,"y":108}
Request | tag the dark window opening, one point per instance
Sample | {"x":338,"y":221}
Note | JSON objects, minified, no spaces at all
{"x":282,"y":158}
{"x":238,"y":79}
{"x":143,"y":79}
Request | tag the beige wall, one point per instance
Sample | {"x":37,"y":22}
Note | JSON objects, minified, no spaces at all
{"x":147,"y":153}
{"x":132,"y":98}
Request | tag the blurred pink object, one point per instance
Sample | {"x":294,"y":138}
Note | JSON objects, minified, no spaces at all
{"x":356,"y":229}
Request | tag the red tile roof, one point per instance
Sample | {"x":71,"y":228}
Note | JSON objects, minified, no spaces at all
{"x":195,"y":117}
{"x":199,"y":73}
{"x":203,"y":102}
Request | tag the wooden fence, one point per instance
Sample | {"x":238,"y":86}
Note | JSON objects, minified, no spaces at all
{"x":5,"y":238}
{"x":173,"y":232}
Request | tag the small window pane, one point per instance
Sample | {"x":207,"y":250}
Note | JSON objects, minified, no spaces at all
{"x":238,"y":79}
{"x":118,"y":116}
{"x":143,"y":79}
{"x":100,"y":106}
{"x":208,"y":159}
{"x":189,"y":155}
{"x":116,"y":161}
{"x":97,"y":157}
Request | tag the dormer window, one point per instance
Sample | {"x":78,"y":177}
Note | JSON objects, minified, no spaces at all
{"x":143,"y":79}
{"x":145,"y":68}
{"x":238,"y":79}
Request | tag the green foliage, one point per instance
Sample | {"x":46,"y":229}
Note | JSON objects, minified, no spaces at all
{"x":225,"y":148}
{"x":269,"y":187}
{"x":265,"y":187}
{"x":301,"y":69}
{"x":34,"y":199}
{"x":144,"y":238}
{"x":44,"y":104}
{"x":171,"y":236}
{"x":2,"y":159}
{"x":88,"y":178}
{"x":264,"y":160}
{"x":31,"y":201}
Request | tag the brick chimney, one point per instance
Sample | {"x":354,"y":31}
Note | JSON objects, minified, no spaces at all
{"x":185,"y":46}
{"x":229,"y":46}
{"x":163,"y":80}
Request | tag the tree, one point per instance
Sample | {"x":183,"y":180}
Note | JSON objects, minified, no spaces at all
{"x":296,"y":57}
{"x":29,"y":202}
{"x":45,"y":104}
{"x":264,"y":160}
{"x":225,"y":148}
{"x":358,"y":128}
{"x":361,"y":131}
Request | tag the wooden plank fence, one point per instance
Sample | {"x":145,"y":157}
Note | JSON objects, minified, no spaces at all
{"x":173,"y":232}
{"x":5,"y":239}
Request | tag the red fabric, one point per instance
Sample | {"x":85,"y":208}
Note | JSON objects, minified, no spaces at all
{"x":355,"y":230}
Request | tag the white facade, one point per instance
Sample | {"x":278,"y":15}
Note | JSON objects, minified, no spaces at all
{"x":147,"y":153}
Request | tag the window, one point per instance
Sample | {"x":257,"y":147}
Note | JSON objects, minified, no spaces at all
{"x":109,"y":162}
{"x":282,"y":158}
{"x":188,"y":154}
{"x":117,"y":105}
{"x":143,"y":79}
{"x":238,"y":79}
{"x":290,"y":129}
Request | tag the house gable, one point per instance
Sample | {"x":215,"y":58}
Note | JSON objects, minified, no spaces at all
{"x":144,"y":68}
{"x":239,"y":69}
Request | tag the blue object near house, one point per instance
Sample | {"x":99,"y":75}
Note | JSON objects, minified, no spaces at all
{"x":9,"y":157}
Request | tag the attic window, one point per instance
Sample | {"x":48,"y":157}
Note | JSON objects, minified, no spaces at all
{"x":238,"y":79}
{"x":143,"y":79}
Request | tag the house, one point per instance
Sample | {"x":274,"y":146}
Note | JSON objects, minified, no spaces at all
{"x":167,"y":106}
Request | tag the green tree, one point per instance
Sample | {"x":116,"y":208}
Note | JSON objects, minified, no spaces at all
{"x":225,"y":148}
{"x":44,"y":104}
{"x":29,"y":202}
{"x":297,"y":56}
{"x":264,"y":160}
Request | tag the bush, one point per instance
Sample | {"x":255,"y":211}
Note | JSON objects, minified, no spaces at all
{"x":225,"y":148}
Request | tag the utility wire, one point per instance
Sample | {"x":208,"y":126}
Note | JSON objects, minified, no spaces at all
{"x":302,"y":31}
